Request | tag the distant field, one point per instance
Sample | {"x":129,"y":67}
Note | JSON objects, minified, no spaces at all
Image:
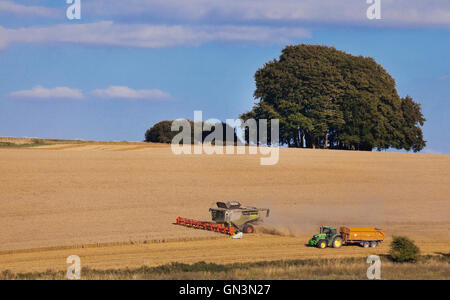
{"x":30,"y":141}
{"x":57,"y":144}
{"x":20,"y":142}
{"x":124,"y":197}
{"x":17,"y":141}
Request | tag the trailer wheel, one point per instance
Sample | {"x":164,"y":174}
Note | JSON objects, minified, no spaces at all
{"x":337,"y":242}
{"x":322,"y":244}
{"x":249,"y":229}
{"x":365,"y":244}
{"x":373,"y":244}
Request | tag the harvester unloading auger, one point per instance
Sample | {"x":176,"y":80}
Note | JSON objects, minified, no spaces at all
{"x":228,"y":218}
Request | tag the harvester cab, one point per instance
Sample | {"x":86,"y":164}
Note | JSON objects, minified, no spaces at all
{"x":328,"y":237}
{"x":233,"y":214}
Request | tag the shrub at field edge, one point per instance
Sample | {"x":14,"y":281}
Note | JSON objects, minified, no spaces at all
{"x":404,"y":250}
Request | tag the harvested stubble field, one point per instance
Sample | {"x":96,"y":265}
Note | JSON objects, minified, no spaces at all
{"x":114,"y":204}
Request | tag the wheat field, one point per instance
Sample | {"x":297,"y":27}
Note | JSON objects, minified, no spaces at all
{"x":114,"y":204}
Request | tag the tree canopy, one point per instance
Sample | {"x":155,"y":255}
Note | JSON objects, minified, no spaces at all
{"x":327,"y":98}
{"x":161,"y":132}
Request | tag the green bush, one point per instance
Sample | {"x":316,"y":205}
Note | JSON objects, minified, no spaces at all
{"x":404,"y":250}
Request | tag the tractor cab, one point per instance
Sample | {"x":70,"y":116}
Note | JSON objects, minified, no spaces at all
{"x":328,"y":231}
{"x":328,"y":237}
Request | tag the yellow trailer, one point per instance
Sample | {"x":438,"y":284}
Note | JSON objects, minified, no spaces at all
{"x":366,"y":237}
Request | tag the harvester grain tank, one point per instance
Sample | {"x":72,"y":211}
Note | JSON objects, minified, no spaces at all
{"x":330,"y":237}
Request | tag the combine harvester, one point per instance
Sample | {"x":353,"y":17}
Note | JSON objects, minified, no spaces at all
{"x":229,"y":218}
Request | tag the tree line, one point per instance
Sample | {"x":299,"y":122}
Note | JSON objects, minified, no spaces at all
{"x":326,"y":98}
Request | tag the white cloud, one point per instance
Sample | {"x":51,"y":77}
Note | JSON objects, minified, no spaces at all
{"x":9,"y":7}
{"x":39,"y":92}
{"x":415,"y":13}
{"x":147,"y":36}
{"x":231,"y":10}
{"x":205,"y":21}
{"x":112,"y":92}
{"x":394,"y":12}
{"x":123,"y":92}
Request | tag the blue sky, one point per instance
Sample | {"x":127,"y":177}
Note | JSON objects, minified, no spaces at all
{"x":128,"y":64}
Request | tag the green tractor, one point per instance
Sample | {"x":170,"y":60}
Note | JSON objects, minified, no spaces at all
{"x":328,"y":237}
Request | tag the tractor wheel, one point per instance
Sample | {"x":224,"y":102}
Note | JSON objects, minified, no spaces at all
{"x":322,"y":244}
{"x":373,"y":244}
{"x":366,"y":244}
{"x":249,"y":229}
{"x":337,"y":242}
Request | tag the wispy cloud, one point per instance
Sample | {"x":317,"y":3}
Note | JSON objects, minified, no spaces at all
{"x":3,"y":38}
{"x":431,"y":151}
{"x":445,"y":78}
{"x":394,"y":12}
{"x":39,"y":92}
{"x":147,"y":36}
{"x":9,"y":7}
{"x":123,"y":92}
{"x":112,"y":92}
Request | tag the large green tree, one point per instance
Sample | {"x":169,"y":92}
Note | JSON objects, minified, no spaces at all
{"x":327,"y":98}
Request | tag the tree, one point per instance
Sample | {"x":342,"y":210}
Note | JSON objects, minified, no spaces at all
{"x":162,"y":132}
{"x":330,"y":99}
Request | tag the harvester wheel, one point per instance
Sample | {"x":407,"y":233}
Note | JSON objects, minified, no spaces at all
{"x":373,"y":244}
{"x":322,"y":244}
{"x":366,"y":244}
{"x":337,"y":242}
{"x":249,"y":229}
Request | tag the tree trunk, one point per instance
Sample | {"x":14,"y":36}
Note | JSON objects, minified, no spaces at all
{"x":296,"y":141}
{"x":302,"y":144}
{"x":325,"y":144}
{"x":309,"y":142}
